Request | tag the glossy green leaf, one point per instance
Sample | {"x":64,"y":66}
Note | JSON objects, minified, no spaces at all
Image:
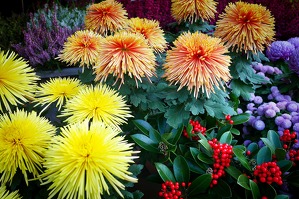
{"x":240,"y":118}
{"x":176,"y":134}
{"x":284,"y":165}
{"x":253,"y":147}
{"x":235,"y":131}
{"x":155,"y":136}
{"x":243,"y":181}
{"x":205,"y":158}
{"x":282,"y":197}
{"x":269,"y":144}
{"x":226,"y":138}
{"x":280,"y":154}
{"x":200,"y":184}
{"x":223,"y":189}
{"x":205,"y":146}
{"x":223,"y":129}
{"x":164,"y":172}
{"x":233,"y":171}
{"x":267,"y":190}
{"x":273,"y":136}
{"x":239,"y":153}
{"x":264,"y":155}
{"x":181,"y":169}
{"x":145,"y":143}
{"x":194,"y":167}
{"x":143,"y":126}
{"x":254,"y":190}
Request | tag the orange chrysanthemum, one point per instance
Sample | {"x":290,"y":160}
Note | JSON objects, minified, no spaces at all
{"x":81,"y":47}
{"x":246,"y":26}
{"x":193,"y":10}
{"x":125,"y":53}
{"x":151,"y":30}
{"x":106,"y":16}
{"x":197,"y":61}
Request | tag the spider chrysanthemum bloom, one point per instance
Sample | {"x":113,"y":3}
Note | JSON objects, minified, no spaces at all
{"x":245,"y":27}
{"x":24,"y":137}
{"x":5,"y":194}
{"x":125,"y":53}
{"x":151,"y":30}
{"x":57,"y":90}
{"x":85,"y":159}
{"x":17,"y":81}
{"x":97,"y":103}
{"x":106,"y":17}
{"x":197,"y":61}
{"x":193,"y":10}
{"x":81,"y":47}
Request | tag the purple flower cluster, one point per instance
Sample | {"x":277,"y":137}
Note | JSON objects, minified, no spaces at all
{"x":42,"y":44}
{"x":265,"y":70}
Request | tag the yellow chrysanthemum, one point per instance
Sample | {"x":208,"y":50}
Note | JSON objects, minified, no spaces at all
{"x":125,"y":53}
{"x":193,"y":10}
{"x":97,"y":103}
{"x":245,"y":27}
{"x":57,"y":90}
{"x":17,"y":81}
{"x":84,"y":160}
{"x":151,"y":30}
{"x":81,"y":47}
{"x":24,"y":137}
{"x":197,"y":61}
{"x":5,"y":194}
{"x":106,"y":17}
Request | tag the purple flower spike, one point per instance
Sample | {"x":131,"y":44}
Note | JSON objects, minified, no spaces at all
{"x":280,"y":50}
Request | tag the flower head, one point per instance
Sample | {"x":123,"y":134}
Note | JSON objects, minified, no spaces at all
{"x":125,"y":53}
{"x":5,"y":194}
{"x":294,"y":41}
{"x":245,"y":26}
{"x":97,"y":103}
{"x":280,"y":50}
{"x":193,"y":10}
{"x":57,"y":90}
{"x":197,"y":61}
{"x":85,"y":159}
{"x":294,"y":61}
{"x":24,"y":137}
{"x":17,"y":80}
{"x":81,"y":47}
{"x":106,"y":16}
{"x":151,"y":30}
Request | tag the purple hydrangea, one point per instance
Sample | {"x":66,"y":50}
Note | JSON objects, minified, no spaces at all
{"x":294,"y":41}
{"x":280,"y":50}
{"x":294,"y":61}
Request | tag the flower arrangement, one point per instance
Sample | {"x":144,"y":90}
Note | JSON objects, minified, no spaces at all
{"x":204,"y":111}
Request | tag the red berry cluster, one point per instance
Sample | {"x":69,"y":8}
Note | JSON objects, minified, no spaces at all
{"x":294,"y":156}
{"x":288,"y":138}
{"x":268,"y":172}
{"x":171,"y":190}
{"x":222,"y":157}
{"x":197,"y":128}
{"x":228,"y":118}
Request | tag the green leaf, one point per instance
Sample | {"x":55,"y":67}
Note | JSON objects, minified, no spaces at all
{"x":205,"y":145}
{"x":195,"y":106}
{"x":253,"y":147}
{"x":273,"y":137}
{"x":216,"y":109}
{"x":264,"y":155}
{"x":223,"y":189}
{"x":226,"y":138}
{"x":284,"y":165}
{"x":205,"y":158}
{"x":269,"y":144}
{"x":223,"y":129}
{"x":200,"y":184}
{"x":281,"y":197}
{"x":137,"y":194}
{"x":181,"y":169}
{"x":193,"y":166}
{"x":176,"y":115}
{"x":235,"y":131}
{"x":176,"y":134}
{"x":243,"y":181}
{"x":254,"y":190}
{"x":293,"y":178}
{"x":239,"y":153}
{"x":137,"y":97}
{"x":143,"y":126}
{"x":280,"y":154}
{"x":240,"y":88}
{"x":145,"y":143}
{"x":240,"y":118}
{"x":233,"y":171}
{"x":164,"y":172}
{"x":135,"y":169}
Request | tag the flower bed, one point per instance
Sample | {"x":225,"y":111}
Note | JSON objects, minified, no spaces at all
{"x":197,"y":110}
